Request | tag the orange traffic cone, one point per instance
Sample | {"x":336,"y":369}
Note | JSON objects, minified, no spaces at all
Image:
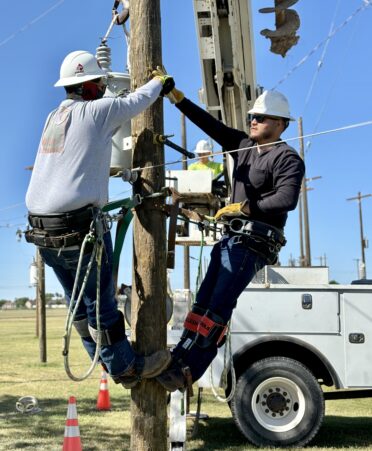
{"x":72,"y":441}
{"x":103,"y":401}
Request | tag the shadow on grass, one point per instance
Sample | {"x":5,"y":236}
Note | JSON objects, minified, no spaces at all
{"x":38,"y":431}
{"x":345,"y":432}
{"x":336,"y":432}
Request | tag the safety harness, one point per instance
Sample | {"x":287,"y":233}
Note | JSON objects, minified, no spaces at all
{"x":60,"y":230}
{"x":86,"y":227}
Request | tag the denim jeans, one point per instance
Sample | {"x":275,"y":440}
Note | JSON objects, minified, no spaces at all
{"x":118,"y":357}
{"x":232,"y":266}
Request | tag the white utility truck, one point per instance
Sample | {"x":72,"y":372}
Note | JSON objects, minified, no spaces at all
{"x":292,"y":334}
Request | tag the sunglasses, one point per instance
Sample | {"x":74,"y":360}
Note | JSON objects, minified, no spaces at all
{"x":260,"y":118}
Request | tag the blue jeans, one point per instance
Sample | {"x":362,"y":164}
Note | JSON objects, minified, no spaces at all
{"x":118,"y":357}
{"x":232,"y":266}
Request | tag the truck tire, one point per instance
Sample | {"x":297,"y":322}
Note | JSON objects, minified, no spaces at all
{"x":278,"y":402}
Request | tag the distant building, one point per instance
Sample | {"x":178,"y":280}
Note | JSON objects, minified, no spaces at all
{"x":9,"y":305}
{"x":30,"y":304}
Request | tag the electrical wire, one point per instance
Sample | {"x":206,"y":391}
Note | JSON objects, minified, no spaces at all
{"x":321,"y":60}
{"x":324,"y":132}
{"x":32,"y":22}
{"x":332,"y":86}
{"x":361,"y":8}
{"x":12,"y":206}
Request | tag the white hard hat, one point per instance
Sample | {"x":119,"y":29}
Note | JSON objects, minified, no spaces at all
{"x":203,"y":146}
{"x":78,"y":67}
{"x":272,"y":103}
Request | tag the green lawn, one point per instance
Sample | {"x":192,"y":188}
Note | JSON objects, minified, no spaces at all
{"x":348,"y":424}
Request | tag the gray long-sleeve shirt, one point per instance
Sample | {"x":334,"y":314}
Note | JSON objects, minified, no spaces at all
{"x":71,"y":169}
{"x":270,"y":181}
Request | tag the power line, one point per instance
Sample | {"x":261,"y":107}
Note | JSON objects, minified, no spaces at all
{"x":12,"y":206}
{"x":32,"y":22}
{"x":361,"y":8}
{"x":343,"y":58}
{"x":321,"y":60}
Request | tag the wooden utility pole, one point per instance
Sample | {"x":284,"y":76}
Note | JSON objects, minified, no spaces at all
{"x":148,"y":319}
{"x":40,"y":300}
{"x":186,"y":251}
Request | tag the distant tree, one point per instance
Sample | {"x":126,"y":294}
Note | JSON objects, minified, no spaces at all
{"x":21,"y":302}
{"x":2,"y":302}
{"x":333,"y":282}
{"x":49,"y":297}
{"x":60,"y":301}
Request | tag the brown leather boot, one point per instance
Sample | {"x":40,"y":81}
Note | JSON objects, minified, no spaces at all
{"x":176,"y":377}
{"x":156,"y":363}
{"x":153,"y":365}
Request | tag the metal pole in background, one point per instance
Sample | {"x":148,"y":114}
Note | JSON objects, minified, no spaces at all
{"x":186,"y":249}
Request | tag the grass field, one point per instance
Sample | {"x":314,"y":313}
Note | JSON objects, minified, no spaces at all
{"x":348,"y":424}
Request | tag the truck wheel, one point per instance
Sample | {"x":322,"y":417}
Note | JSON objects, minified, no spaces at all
{"x":278,"y":402}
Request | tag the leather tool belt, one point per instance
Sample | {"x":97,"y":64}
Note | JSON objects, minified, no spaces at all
{"x":262,"y":238}
{"x":62,"y":229}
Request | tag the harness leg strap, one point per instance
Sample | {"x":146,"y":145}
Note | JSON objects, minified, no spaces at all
{"x":191,"y":325}
{"x":193,"y":319}
{"x":82,"y":327}
{"x":110,"y":336}
{"x":211,"y":330}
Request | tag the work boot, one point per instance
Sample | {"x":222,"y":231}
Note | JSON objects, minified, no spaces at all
{"x":153,"y":365}
{"x":176,"y":377}
{"x":156,"y":363}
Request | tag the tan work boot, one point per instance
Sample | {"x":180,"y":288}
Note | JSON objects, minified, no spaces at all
{"x":156,"y":363}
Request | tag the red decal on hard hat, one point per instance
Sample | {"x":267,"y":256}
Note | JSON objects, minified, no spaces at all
{"x":79,"y":69}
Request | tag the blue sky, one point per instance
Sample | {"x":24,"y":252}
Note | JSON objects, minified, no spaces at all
{"x":34,"y":42}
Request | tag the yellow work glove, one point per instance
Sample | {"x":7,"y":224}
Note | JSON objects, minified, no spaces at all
{"x":173,"y":94}
{"x":166,"y":80}
{"x":232,"y":210}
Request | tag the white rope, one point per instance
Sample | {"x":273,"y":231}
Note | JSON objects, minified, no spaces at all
{"x":96,"y":254}
{"x":361,"y":8}
{"x":324,"y":132}
{"x":224,"y":372}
